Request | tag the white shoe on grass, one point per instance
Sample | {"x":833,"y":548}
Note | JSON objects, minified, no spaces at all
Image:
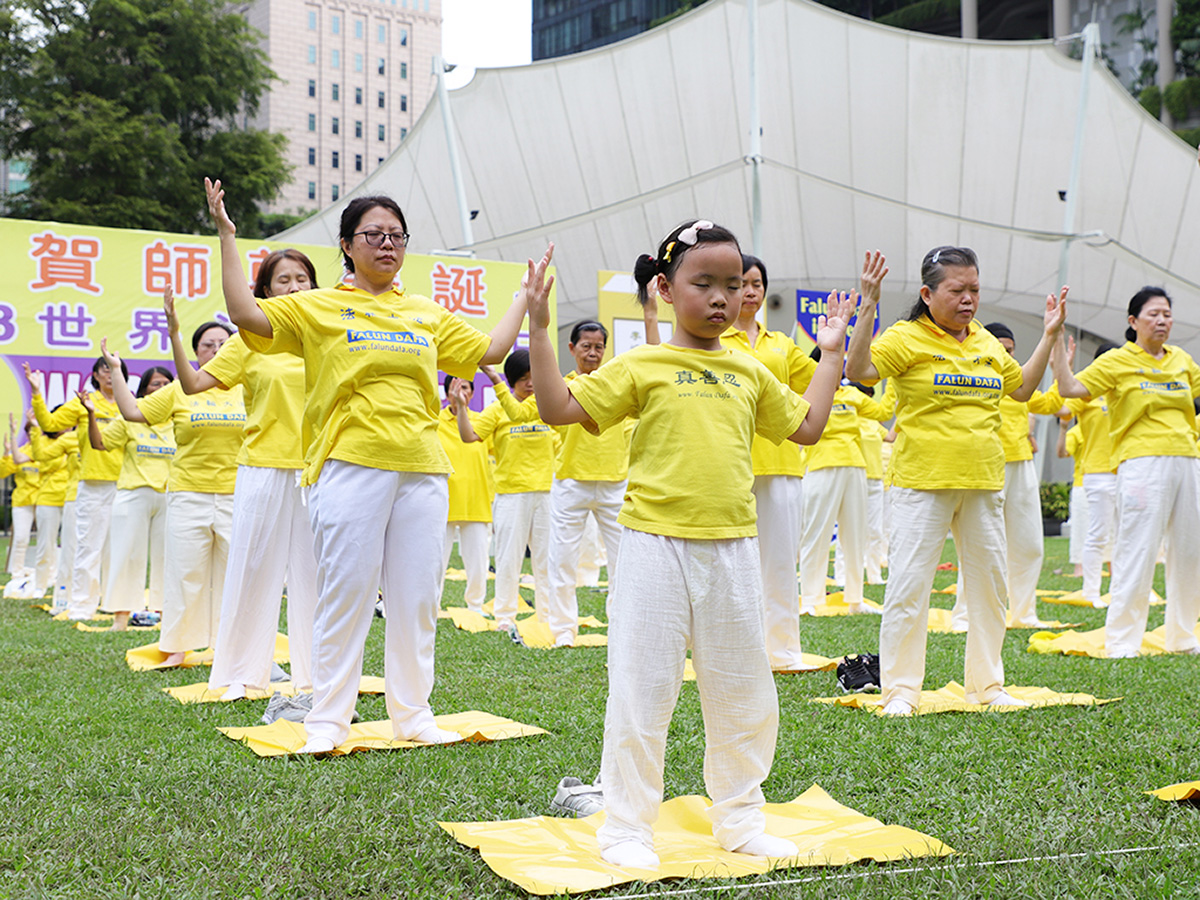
{"x":1004,"y":698}
{"x":898,"y":707}
{"x":768,"y":845}
{"x":631,"y":854}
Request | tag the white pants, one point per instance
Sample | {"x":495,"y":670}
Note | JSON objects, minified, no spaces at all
{"x":672,"y":594}
{"x":837,"y":494}
{"x":374,"y":527}
{"x":270,"y":545}
{"x":48,"y":520}
{"x":139,"y":524}
{"x":472,"y":540}
{"x":1157,"y":497}
{"x":93,"y":516}
{"x":1077,"y":525}
{"x":521,"y":520}
{"x":66,"y":559}
{"x":776,"y":498}
{"x":875,"y":552}
{"x":571,"y":502}
{"x":592,"y":555}
{"x":22,"y":525}
{"x":1101,"y":489}
{"x":197,"y":551}
{"x":920,"y":520}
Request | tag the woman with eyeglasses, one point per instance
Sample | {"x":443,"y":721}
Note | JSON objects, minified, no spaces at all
{"x":378,"y":502}
{"x":947,"y":467}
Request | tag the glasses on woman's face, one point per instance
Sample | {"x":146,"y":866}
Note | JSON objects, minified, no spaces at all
{"x":376,"y":238}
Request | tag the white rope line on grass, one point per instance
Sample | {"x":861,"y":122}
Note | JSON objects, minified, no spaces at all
{"x":857,"y":876}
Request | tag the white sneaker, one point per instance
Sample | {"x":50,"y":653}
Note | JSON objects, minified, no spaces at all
{"x":1004,"y":698}
{"x":574,"y":798}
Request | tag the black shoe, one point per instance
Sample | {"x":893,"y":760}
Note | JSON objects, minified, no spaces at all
{"x":859,"y":672}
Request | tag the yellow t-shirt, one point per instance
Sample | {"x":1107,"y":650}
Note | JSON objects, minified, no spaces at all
{"x":1094,"y":435}
{"x":371,"y":373}
{"x":1149,"y":400}
{"x":149,"y":450}
{"x":208,"y":434}
{"x":273,"y":391}
{"x":1014,"y":422}
{"x":690,"y":472}
{"x":470,"y":482}
{"x":872,"y":435}
{"x":74,"y":468}
{"x":792,"y":367}
{"x":841,"y":441}
{"x":1075,"y":449}
{"x":97,"y":465}
{"x":948,"y":405}
{"x":54,"y":457}
{"x":27,"y":478}
{"x":525,"y":450}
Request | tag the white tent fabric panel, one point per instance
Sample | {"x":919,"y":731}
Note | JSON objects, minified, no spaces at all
{"x":872,"y":138}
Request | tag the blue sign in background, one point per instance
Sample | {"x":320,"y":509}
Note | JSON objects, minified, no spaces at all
{"x":810,"y":304}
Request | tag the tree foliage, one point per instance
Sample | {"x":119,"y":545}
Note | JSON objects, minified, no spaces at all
{"x":123,"y":106}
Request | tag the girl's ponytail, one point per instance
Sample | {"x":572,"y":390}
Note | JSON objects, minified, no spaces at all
{"x":644,"y":271}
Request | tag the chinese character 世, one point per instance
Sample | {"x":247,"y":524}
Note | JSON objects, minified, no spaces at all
{"x":64,"y":328}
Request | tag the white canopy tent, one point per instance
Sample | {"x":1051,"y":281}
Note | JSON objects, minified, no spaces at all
{"x":872,"y":137}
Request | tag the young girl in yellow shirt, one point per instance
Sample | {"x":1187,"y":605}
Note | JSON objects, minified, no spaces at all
{"x":689,"y":570}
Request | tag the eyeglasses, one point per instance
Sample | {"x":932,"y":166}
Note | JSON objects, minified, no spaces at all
{"x":376,"y":238}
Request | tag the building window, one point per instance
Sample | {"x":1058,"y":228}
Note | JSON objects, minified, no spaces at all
{"x":403,"y":37}
{"x":336,"y":91}
{"x":336,"y":125}
{"x":312,"y":121}
{"x":335,"y":192}
{"x":336,"y":59}
{"x":312,"y":20}
{"x":335,"y":161}
{"x":312,"y":190}
{"x":381,"y":34}
{"x":358,"y":96}
{"x":357,"y":128}
{"x":312,"y":53}
{"x":358,"y":28}
{"x":403,"y":133}
{"x":357,"y":162}
{"x":403,"y":70}
{"x":312,"y":87}
{"x":404,"y":103}
{"x":382,"y":65}
{"x":381,"y":132}
{"x":336,"y":23}
{"x":358,"y":62}
{"x":382,"y":100}
{"x":379,"y":160}
{"x":312,"y":156}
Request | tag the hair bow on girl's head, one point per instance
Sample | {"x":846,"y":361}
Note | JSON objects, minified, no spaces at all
{"x":691,"y":234}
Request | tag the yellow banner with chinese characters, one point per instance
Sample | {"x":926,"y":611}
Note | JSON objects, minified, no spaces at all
{"x":619,"y":311}
{"x":64,"y":287}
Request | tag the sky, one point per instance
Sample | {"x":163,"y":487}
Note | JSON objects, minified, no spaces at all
{"x":484,"y":34}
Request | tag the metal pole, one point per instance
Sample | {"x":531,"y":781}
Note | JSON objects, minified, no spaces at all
{"x":755,"y":157}
{"x":460,"y":191}
{"x":1091,"y":40}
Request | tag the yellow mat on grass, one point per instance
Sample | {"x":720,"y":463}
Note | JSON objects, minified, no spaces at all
{"x":143,"y":659}
{"x":1091,"y":643}
{"x":202,"y":693}
{"x":953,"y":590}
{"x":953,"y":698}
{"x":453,"y":574}
{"x":835,"y":605}
{"x":1177,"y":793}
{"x":284,"y":738}
{"x":1075,"y":598}
{"x":84,"y":626}
{"x":533,"y":633}
{"x":812,"y":663}
{"x":939,"y":623}
{"x":546,"y":855}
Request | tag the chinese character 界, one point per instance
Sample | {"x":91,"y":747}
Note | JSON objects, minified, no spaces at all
{"x":146,"y":324}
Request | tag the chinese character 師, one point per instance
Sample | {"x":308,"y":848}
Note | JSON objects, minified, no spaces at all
{"x":65,"y":328}
{"x":182,"y":267}
{"x":459,"y":289}
{"x":63,"y":260}
{"x":146,"y":324}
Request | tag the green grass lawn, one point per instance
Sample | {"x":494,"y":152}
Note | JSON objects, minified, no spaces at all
{"x":108,"y":788}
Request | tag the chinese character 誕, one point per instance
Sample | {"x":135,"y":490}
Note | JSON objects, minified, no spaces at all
{"x":459,"y":289}
{"x":149,"y":324}
{"x":185,"y":268}
{"x":66,"y":328}
{"x":67,"y":261}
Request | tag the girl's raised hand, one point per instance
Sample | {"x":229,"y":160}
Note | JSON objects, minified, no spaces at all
{"x":34,"y":378}
{"x":110,"y":356}
{"x":1056,"y":312}
{"x":86,"y":399}
{"x":169,"y":309}
{"x":216,"y":207}
{"x":831,"y":327}
{"x":874,"y":270}
{"x":537,"y":290}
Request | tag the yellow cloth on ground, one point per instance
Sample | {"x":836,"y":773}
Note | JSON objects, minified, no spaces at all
{"x":545,"y":855}
{"x":533,"y":633}
{"x":453,"y":574}
{"x":83,"y":626}
{"x":953,"y":698}
{"x":1187,"y":790}
{"x":953,"y":590}
{"x":284,"y":738}
{"x":96,"y":617}
{"x":811,"y":663}
{"x":143,"y":659}
{"x":202,"y":693}
{"x":939,"y":623}
{"x":835,"y":605}
{"x":1075,"y":598}
{"x":1091,"y":643}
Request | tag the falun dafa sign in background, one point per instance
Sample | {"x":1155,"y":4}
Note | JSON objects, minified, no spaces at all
{"x":64,"y":287}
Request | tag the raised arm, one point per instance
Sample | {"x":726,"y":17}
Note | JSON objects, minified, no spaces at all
{"x":123,"y":396}
{"x":18,"y":455}
{"x":1035,"y":366}
{"x":1060,"y":362}
{"x":858,"y":358}
{"x":831,"y":338}
{"x":239,"y":299}
{"x":504,"y":335}
{"x":94,"y":436}
{"x":555,"y":404}
{"x":462,"y":412}
{"x":650,"y":313}
{"x":193,"y":381}
{"x":1061,"y":445}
